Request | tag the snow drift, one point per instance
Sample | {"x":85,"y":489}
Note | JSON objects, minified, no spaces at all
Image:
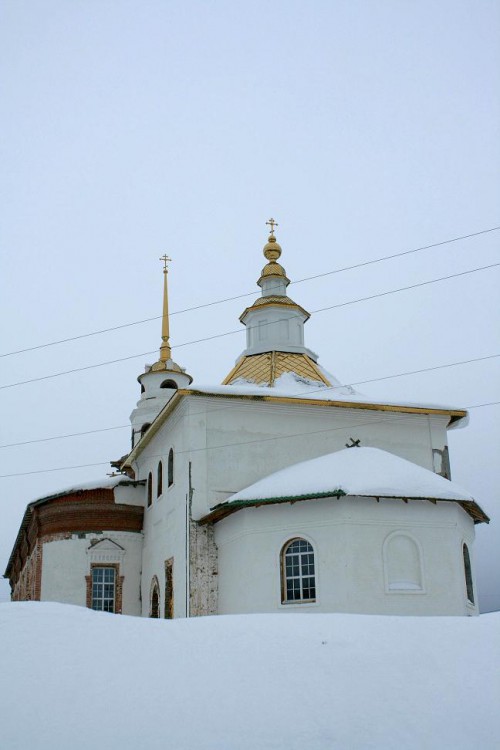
{"x":75,"y":678}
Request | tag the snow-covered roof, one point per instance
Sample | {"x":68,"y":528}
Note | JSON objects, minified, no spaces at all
{"x":291,"y":385}
{"x":361,"y":472}
{"x":96,"y":484}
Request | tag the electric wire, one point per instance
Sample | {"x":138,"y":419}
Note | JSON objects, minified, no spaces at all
{"x":240,"y":330}
{"x":249,"y":294}
{"x":297,"y":395}
{"x":228,"y":445}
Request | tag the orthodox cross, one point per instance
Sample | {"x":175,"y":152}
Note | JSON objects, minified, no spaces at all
{"x":272,"y":224}
{"x":353,"y":443}
{"x":165,"y":259}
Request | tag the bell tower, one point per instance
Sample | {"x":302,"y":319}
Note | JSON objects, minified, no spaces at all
{"x":159,"y":381}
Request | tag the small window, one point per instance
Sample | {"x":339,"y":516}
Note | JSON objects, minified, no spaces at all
{"x":150,"y":489}
{"x":169,"y":384}
{"x":171,"y":467}
{"x":143,"y":390}
{"x":159,"y":480}
{"x":103,"y":589}
{"x":298,"y":575}
{"x":145,"y":428}
{"x":468,"y":574}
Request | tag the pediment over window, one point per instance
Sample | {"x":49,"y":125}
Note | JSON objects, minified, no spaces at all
{"x":106,"y":544}
{"x":105,"y":551}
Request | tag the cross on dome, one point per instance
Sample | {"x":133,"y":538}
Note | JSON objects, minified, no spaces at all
{"x":272,"y":224}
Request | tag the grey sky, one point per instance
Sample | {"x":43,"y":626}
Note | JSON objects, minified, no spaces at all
{"x":134,"y":128}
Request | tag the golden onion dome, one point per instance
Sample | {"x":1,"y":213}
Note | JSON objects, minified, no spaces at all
{"x":272,"y":250}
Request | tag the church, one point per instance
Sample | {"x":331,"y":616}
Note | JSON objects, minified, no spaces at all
{"x":278,"y":490}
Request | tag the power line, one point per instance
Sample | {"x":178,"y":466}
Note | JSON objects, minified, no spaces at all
{"x":228,"y":445}
{"x":240,"y":330}
{"x":68,"y":435}
{"x":297,"y":395}
{"x":249,"y":294}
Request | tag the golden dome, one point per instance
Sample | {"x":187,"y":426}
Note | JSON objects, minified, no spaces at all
{"x":273,"y":269}
{"x":272,"y":250}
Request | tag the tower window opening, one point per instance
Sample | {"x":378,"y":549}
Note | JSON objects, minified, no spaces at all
{"x":468,"y":574}
{"x":171,"y":467}
{"x":169,"y":384}
{"x":297,"y":572}
{"x":145,"y":428}
{"x":159,"y":480}
{"x":143,"y":390}
{"x":150,"y":489}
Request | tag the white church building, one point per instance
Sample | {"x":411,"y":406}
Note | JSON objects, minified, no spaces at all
{"x":279,"y":490}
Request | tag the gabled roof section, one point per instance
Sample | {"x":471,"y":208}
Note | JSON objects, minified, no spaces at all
{"x":356,"y":472}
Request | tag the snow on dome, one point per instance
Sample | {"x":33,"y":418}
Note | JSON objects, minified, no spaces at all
{"x":368,"y":472}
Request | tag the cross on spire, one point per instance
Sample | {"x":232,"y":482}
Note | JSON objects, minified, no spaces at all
{"x":272,"y":224}
{"x":165,"y":260}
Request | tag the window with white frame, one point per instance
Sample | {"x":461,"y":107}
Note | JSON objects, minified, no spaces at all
{"x":103,"y":589}
{"x":297,"y":570}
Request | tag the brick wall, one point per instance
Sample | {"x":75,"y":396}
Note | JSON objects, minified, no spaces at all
{"x":203,"y":572}
{"x":82,"y":511}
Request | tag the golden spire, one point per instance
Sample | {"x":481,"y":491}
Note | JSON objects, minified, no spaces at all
{"x":165,"y":351}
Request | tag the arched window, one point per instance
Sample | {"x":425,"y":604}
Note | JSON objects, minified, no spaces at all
{"x":154,"y":609}
{"x":468,"y":574}
{"x":145,"y":427}
{"x":297,"y":572}
{"x":150,"y":489}
{"x":171,"y":467}
{"x":402,"y":563}
{"x":159,"y":480}
{"x":169,"y":384}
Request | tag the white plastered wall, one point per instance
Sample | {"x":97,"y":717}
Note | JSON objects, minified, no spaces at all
{"x":347,"y":536}
{"x":165,"y":518}
{"x":247,"y":440}
{"x":66,"y":562}
{"x":231,"y":444}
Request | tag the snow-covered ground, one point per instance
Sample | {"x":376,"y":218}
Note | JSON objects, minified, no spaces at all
{"x":73,"y":678}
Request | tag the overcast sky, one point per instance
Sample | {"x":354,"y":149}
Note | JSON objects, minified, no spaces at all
{"x":133,"y":128}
